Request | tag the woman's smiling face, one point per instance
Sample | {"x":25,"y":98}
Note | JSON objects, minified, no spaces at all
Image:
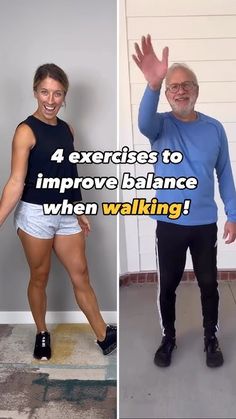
{"x":50,"y":95}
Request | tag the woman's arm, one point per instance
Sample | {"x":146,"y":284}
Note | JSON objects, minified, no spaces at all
{"x":23,"y":142}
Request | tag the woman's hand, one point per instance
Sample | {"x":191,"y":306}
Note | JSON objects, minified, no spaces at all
{"x":84,"y":224}
{"x":153,"y":69}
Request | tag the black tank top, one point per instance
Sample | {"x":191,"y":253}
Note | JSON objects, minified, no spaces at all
{"x":48,"y":139}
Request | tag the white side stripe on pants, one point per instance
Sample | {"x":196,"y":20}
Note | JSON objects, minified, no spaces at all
{"x":158,"y":287}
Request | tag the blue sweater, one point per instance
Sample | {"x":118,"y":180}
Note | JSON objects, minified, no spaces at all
{"x":204,"y":147}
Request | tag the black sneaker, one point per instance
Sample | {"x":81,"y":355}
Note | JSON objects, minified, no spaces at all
{"x":108,"y":345}
{"x":214,"y":356}
{"x":42,"y":349}
{"x":163,"y":354}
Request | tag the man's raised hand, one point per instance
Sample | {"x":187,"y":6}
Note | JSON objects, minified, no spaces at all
{"x":153,"y":69}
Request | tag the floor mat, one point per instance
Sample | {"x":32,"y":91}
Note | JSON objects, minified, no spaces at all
{"x":77,"y":382}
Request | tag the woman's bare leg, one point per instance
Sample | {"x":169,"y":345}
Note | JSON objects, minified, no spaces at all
{"x":38,"y":255}
{"x":71,"y":252}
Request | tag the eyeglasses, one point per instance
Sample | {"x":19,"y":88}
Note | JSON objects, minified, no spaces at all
{"x":187,"y":86}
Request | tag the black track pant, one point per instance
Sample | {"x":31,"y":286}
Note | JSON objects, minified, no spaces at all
{"x":173,"y":240}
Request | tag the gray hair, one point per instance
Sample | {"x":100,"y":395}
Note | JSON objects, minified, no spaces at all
{"x":183,"y":66}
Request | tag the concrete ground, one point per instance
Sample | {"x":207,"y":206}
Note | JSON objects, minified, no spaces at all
{"x":78,"y":381}
{"x":188,"y":388}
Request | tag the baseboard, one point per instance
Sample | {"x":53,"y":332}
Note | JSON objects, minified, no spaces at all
{"x":25,"y":317}
{"x":151,"y":276}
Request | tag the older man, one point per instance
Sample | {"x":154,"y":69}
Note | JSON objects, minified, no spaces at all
{"x":201,"y":146}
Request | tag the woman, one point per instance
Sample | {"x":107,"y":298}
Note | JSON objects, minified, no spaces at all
{"x":35,"y":141}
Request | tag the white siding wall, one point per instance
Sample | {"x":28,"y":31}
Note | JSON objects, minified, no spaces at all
{"x":203,"y":35}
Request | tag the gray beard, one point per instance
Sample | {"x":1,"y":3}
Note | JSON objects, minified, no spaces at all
{"x":183,"y":111}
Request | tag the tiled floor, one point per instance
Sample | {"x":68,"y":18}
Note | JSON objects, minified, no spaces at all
{"x":188,"y":388}
{"x":78,"y":381}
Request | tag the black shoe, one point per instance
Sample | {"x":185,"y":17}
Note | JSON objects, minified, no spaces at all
{"x":108,"y":345}
{"x":163,"y":354}
{"x":214,"y":356}
{"x":42,"y":349}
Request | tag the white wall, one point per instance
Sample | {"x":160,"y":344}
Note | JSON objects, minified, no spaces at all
{"x":79,"y":36}
{"x":202,"y":34}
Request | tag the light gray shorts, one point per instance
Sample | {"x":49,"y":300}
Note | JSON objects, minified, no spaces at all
{"x":31,"y":219}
